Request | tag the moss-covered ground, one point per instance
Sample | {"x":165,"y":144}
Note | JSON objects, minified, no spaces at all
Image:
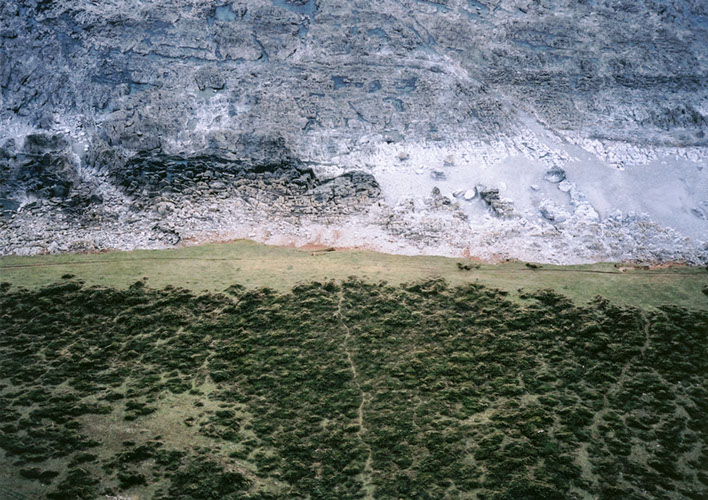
{"x":348,"y":389}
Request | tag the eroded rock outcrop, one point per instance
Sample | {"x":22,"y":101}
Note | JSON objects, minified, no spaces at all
{"x":337,"y":110}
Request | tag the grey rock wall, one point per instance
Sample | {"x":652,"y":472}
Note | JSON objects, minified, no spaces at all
{"x":116,"y":115}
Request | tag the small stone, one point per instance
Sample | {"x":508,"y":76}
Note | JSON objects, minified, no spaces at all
{"x":555,"y":175}
{"x":698,"y":212}
{"x":438,"y":175}
{"x":469,"y":194}
{"x":552,"y":212}
{"x":162,"y":208}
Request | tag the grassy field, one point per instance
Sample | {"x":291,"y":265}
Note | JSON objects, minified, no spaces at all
{"x":347,"y":390}
{"x":244,"y":371}
{"x":215,"y":267}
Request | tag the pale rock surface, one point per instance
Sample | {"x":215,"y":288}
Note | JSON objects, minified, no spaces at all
{"x":564,"y":131}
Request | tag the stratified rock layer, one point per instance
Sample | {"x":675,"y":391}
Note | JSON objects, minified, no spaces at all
{"x":584,"y":122}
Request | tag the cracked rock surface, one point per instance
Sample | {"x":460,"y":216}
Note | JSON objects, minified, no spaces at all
{"x":554,"y":131}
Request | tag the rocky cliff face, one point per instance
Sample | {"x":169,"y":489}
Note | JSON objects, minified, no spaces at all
{"x":550,"y":130}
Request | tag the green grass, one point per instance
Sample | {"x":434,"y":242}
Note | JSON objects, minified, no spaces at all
{"x":215,"y":267}
{"x":245,"y":371}
{"x":347,"y":390}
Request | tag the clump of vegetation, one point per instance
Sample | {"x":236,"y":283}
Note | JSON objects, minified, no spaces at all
{"x":206,"y":480}
{"x":467,"y":267}
{"x":43,"y":476}
{"x":78,"y":483}
{"x":339,"y":389}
